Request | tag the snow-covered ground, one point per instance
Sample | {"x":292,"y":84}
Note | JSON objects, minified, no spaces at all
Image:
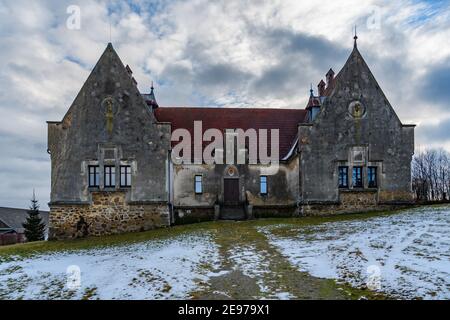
{"x":406,"y":255}
{"x":149,"y":270}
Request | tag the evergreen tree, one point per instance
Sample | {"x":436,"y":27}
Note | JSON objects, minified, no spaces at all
{"x":34,"y":227}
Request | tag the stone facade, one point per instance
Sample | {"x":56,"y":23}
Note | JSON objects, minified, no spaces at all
{"x":113,"y":172}
{"x":109,"y":213}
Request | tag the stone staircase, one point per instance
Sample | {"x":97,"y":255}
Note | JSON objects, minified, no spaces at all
{"x":232,"y":212}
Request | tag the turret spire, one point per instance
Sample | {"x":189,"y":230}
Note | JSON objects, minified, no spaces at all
{"x":150,"y":98}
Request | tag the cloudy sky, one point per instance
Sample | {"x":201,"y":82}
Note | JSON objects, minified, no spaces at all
{"x":248,"y":53}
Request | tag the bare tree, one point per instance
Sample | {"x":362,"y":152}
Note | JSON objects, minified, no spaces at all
{"x":431,"y":175}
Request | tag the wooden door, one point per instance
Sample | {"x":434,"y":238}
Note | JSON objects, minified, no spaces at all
{"x":231,"y":191}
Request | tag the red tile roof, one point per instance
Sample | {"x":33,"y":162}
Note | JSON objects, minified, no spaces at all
{"x":286,"y":120}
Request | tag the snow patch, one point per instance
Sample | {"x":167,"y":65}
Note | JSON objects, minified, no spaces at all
{"x":406,"y":254}
{"x":148,"y":270}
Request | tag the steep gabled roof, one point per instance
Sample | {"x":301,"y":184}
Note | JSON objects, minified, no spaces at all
{"x":286,"y":120}
{"x":356,"y":66}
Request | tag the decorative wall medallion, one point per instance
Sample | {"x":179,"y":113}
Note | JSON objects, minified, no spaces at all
{"x":108,"y":104}
{"x":356,"y":109}
{"x":231,"y":171}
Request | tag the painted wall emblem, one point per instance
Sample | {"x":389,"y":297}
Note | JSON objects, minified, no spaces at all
{"x":108,"y":104}
{"x":356,"y":109}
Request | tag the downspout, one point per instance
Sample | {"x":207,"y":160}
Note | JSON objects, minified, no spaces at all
{"x":169,"y":187}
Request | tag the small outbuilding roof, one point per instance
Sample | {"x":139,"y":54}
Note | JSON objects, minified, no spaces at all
{"x":13,"y":218}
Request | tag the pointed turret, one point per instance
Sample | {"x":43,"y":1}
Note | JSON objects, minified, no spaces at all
{"x":151,"y":99}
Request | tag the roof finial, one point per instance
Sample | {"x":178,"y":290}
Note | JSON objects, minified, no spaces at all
{"x":311,"y":91}
{"x":152,"y":87}
{"x":355,"y":38}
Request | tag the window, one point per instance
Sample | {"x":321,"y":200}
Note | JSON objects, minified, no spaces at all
{"x":357,"y":177}
{"x":372,"y":176}
{"x":110,"y":176}
{"x":343,"y":177}
{"x":263,"y":185}
{"x":125,"y":176}
{"x":198,"y":184}
{"x":94,"y":177}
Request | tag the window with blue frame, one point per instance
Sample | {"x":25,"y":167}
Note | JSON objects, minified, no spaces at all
{"x":263,"y":185}
{"x":357,"y":178}
{"x":372,"y":177}
{"x":198,"y":184}
{"x":343,"y":177}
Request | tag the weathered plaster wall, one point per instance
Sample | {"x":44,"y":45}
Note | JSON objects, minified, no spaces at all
{"x":282,"y":186}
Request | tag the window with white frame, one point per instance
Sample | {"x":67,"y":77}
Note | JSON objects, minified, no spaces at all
{"x":198,"y":184}
{"x":110,"y":176}
{"x":263,"y":185}
{"x":94,"y":176}
{"x":125,"y":176}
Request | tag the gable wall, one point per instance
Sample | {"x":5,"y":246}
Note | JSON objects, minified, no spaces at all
{"x":328,"y":140}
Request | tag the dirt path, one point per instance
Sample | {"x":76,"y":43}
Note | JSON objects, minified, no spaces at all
{"x":251,"y":268}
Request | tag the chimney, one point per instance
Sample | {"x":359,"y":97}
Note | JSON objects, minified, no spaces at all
{"x":330,"y":77}
{"x":321,"y":88}
{"x":129,"y":70}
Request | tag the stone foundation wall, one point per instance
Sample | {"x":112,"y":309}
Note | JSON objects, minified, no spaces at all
{"x":193,"y":215}
{"x":274,"y":212}
{"x":108,"y":214}
{"x":352,"y":202}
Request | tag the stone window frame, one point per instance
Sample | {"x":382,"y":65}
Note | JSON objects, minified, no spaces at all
{"x":365,"y":164}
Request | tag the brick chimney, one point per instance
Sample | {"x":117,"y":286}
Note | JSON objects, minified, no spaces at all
{"x":321,"y":88}
{"x":330,"y":77}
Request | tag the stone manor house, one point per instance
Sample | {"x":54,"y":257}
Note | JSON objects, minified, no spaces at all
{"x":112,"y":169}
